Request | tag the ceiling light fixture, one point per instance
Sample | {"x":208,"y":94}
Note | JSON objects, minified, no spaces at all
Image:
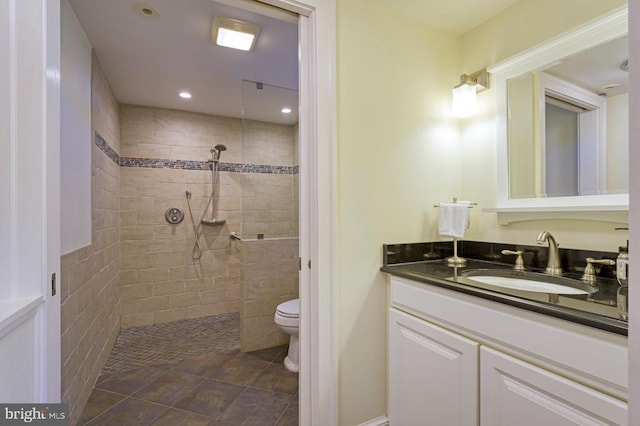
{"x":185,"y":95}
{"x":465,"y":100}
{"x":286,"y":110}
{"x":232,"y":33}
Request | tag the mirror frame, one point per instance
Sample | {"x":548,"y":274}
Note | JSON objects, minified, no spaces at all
{"x":601,"y":30}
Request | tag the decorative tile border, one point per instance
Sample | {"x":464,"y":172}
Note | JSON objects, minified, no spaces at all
{"x":104,"y":147}
{"x":155,"y":163}
{"x":255,"y":168}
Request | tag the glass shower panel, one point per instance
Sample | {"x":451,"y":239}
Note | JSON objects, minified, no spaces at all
{"x":270,"y":161}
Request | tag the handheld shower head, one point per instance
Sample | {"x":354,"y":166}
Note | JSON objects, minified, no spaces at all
{"x":217,"y":150}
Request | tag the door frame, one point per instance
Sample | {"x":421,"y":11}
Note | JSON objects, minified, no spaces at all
{"x":318,"y":377}
{"x":634,"y":213}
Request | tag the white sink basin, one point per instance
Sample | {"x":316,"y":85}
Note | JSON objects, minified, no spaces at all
{"x":529,"y":281}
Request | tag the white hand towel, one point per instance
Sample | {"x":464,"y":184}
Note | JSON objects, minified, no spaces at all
{"x":454,"y":219}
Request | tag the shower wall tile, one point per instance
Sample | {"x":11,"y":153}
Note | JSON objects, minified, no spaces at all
{"x":267,"y":143}
{"x":270,"y":277}
{"x":89,"y":288}
{"x":164,"y":153}
{"x":268,"y":205}
{"x":178,"y":135}
{"x":164,"y":282}
{"x":105,"y":111}
{"x":169,"y":315}
{"x":156,"y":137}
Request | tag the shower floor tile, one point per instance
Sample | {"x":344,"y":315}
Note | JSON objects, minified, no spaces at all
{"x":192,"y":372}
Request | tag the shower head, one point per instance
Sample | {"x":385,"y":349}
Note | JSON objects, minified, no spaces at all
{"x":218,"y":149}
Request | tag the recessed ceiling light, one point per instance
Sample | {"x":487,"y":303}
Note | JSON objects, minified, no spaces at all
{"x":286,"y":110}
{"x":185,"y":95}
{"x":146,"y":10}
{"x":232,"y":33}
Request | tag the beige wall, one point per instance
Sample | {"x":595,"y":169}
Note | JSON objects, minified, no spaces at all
{"x":398,"y":154}
{"x":525,"y":24}
{"x":618,"y":144}
{"x":522,"y":143}
{"x":90,"y":310}
{"x":269,"y":277}
{"x":517,"y":28}
{"x":160,"y":280}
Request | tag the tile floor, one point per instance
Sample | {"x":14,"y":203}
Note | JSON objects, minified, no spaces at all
{"x":192,"y":372}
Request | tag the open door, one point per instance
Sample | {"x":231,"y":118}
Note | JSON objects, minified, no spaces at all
{"x":29,"y":196}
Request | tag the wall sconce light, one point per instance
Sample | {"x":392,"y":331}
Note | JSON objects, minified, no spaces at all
{"x":232,"y":33}
{"x":465,"y":101}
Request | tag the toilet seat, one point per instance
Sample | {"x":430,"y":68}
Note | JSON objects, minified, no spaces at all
{"x":289,"y":309}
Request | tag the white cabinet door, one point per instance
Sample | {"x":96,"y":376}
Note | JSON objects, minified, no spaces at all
{"x":433,"y":374}
{"x":517,"y":393}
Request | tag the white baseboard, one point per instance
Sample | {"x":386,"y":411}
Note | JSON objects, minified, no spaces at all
{"x":378,"y":421}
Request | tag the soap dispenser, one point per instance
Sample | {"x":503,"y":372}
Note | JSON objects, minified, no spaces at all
{"x":622,"y":265}
{"x":622,"y":275}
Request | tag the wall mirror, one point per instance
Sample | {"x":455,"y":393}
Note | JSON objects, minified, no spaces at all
{"x":562,"y":116}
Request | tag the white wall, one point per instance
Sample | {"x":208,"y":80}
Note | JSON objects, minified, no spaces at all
{"x":398,"y":154}
{"x":76,"y":140}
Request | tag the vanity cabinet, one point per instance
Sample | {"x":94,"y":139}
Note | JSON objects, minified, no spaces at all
{"x":455,"y":359}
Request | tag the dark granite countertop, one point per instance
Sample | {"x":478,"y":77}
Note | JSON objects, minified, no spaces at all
{"x":597,"y":310}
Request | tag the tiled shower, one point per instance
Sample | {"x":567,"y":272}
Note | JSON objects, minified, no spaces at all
{"x":139,"y":269}
{"x":163,"y":154}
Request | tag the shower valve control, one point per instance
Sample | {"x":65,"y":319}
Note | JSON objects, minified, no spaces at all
{"x":174,"y":215}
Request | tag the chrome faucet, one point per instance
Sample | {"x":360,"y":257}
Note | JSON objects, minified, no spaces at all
{"x":554,"y":267}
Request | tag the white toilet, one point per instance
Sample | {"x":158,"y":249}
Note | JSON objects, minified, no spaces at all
{"x":287,"y":317}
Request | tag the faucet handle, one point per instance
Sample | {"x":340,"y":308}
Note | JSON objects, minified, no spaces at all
{"x":589,"y":275}
{"x":519,"y":266}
